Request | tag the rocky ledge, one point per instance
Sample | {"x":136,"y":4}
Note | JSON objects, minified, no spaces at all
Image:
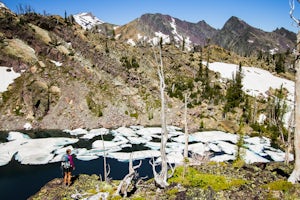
{"x":206,"y":181}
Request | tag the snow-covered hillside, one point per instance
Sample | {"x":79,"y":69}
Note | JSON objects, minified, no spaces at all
{"x":87,"y":20}
{"x":256,"y":81}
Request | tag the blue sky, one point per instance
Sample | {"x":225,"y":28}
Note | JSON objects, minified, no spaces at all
{"x":264,"y":14}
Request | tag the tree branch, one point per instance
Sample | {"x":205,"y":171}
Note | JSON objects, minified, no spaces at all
{"x":292,"y":6}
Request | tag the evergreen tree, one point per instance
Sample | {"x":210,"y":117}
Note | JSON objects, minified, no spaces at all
{"x":234,"y":95}
{"x":279,"y":63}
{"x":66,"y":19}
{"x":200,"y":70}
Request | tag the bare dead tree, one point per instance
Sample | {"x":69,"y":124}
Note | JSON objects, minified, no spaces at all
{"x":161,"y":178}
{"x":127,"y":180}
{"x":186,"y":133}
{"x":157,"y":176}
{"x":295,"y":175}
{"x":105,"y":166}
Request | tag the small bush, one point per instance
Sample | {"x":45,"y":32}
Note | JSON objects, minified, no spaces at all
{"x":94,"y":107}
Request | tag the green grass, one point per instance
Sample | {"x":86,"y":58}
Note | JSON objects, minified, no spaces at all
{"x":194,"y":178}
{"x":279,"y":185}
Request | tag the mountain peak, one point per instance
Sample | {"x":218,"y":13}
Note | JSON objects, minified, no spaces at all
{"x":87,"y":20}
{"x":235,"y":23}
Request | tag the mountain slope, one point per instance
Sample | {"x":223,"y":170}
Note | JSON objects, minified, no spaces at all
{"x":73,"y":77}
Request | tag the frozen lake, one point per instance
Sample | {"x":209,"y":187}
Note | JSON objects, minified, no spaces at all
{"x":34,"y":156}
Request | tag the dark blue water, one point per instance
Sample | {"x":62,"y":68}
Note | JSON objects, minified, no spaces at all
{"x":19,"y":182}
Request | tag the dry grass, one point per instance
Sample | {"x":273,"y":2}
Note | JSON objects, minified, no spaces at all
{"x":18,"y":48}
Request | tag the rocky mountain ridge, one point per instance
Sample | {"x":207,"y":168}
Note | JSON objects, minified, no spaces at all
{"x":236,"y":35}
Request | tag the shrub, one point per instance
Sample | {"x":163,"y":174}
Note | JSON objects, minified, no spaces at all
{"x":94,"y":107}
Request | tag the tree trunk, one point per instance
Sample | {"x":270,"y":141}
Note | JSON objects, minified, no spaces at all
{"x":161,"y":178}
{"x":288,"y":144}
{"x":128,"y":179}
{"x":185,"y":154}
{"x":295,"y":176}
{"x":104,"y":160}
{"x":164,"y":138}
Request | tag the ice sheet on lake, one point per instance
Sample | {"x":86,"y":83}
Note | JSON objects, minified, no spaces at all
{"x":95,"y":132}
{"x":138,"y":140}
{"x":150,"y":131}
{"x":227,"y":147}
{"x":211,"y":136}
{"x":78,"y":131}
{"x":32,"y":151}
{"x":258,"y":141}
{"x":16,"y":136}
{"x":44,"y":150}
{"x":278,"y":155}
{"x":175,"y":146}
{"x":153,"y":145}
{"x":181,"y":138}
{"x":222,"y":158}
{"x":7,"y":150}
{"x":198,"y":148}
{"x":127,"y":132}
{"x":136,"y":155}
{"x":107,"y":145}
{"x":39,"y":151}
{"x":172,"y":158}
{"x":251,"y":157}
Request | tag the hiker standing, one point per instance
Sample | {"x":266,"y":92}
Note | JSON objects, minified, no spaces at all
{"x":68,"y":166}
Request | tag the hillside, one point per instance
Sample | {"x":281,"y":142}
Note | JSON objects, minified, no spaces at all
{"x":72,"y":77}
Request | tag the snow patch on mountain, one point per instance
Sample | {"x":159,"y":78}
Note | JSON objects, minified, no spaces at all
{"x":131,"y":42}
{"x":155,"y":40}
{"x":179,"y":38}
{"x":2,"y":5}
{"x":87,"y":20}
{"x":256,"y":81}
{"x":7,"y":77}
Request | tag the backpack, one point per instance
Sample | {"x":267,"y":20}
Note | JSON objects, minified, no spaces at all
{"x":65,"y":163}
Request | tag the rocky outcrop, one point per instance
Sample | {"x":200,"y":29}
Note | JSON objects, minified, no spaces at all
{"x":256,"y":181}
